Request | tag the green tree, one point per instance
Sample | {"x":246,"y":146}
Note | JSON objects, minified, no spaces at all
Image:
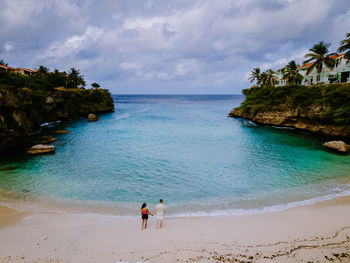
{"x":75,"y":79}
{"x":291,"y":74}
{"x":255,"y":76}
{"x":345,"y":46}
{"x":2,"y":62}
{"x":42,"y":70}
{"x":319,"y":56}
{"x":57,"y":78}
{"x":95,"y":85}
{"x":268,"y":78}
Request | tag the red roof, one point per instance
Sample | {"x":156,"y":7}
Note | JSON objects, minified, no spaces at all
{"x":27,"y":69}
{"x":309,"y":64}
{"x":306,"y":65}
{"x":337,"y":56}
{"x":4,"y":66}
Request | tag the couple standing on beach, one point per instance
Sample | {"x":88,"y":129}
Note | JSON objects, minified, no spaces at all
{"x":159,"y":210}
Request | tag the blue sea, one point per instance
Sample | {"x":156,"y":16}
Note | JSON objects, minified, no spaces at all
{"x":183,"y":149}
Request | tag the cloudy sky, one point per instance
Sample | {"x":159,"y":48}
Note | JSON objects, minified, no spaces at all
{"x":167,"y":47}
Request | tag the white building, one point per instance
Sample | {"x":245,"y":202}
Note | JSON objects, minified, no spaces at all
{"x":339,"y":74}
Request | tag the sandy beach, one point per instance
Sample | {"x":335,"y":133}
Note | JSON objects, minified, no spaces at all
{"x":313,"y":233}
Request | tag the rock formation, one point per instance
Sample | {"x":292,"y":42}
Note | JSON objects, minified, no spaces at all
{"x":318,"y":109}
{"x":41,"y":149}
{"x":46,"y":140}
{"x":22,"y":110}
{"x":60,"y":131}
{"x":339,"y":146}
{"x":92,"y":117}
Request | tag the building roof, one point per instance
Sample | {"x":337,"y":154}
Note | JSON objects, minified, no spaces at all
{"x":305,"y":66}
{"x":309,"y":64}
{"x":27,"y":69}
{"x":4,"y":66}
{"x":337,"y":56}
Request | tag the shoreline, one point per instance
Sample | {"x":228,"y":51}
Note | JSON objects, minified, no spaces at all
{"x":314,"y":232}
{"x":42,"y":205}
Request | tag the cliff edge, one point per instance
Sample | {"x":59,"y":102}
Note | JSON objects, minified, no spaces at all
{"x":23,"y":110}
{"x":319,"y":109}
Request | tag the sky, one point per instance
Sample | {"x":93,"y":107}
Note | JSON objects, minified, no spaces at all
{"x":167,"y":47}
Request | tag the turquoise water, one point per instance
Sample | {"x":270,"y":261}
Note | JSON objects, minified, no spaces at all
{"x":182,"y":149}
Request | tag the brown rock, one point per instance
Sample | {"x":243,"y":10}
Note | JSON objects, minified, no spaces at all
{"x":46,"y":140}
{"x":339,"y":146}
{"x":92,"y":117}
{"x":61,"y":131}
{"x":41,"y":149}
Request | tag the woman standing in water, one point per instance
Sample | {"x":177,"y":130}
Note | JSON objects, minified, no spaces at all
{"x":144,"y":214}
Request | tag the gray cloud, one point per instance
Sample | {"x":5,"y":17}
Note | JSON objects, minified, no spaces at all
{"x":158,"y":46}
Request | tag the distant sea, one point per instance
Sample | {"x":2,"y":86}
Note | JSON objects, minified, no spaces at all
{"x":183,"y":149}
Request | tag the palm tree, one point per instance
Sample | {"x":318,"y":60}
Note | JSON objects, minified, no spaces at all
{"x":319,"y":57}
{"x":2,"y":62}
{"x":263,"y":79}
{"x":75,"y":80}
{"x":271,"y":78}
{"x":255,"y":75}
{"x":291,"y":73}
{"x":42,"y":70}
{"x":345,"y":46}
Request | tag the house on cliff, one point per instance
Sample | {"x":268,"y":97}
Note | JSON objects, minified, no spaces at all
{"x":7,"y":68}
{"x":339,"y":74}
{"x":22,"y":71}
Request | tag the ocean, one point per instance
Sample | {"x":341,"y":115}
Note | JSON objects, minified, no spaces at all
{"x":183,"y":149}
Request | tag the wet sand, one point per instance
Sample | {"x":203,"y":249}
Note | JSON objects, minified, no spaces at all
{"x":313,"y":233}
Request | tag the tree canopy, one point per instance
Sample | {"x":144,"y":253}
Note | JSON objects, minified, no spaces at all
{"x":319,"y":56}
{"x":95,"y":85}
{"x":345,"y":47}
{"x":2,"y":62}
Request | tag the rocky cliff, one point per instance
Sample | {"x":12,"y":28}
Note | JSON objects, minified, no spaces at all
{"x":321,"y":109}
{"x":22,"y":110}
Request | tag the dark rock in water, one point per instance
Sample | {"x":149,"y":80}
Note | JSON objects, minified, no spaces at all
{"x":61,"y":131}
{"x":46,"y":140}
{"x":339,"y":146}
{"x":92,"y":117}
{"x":8,"y":168}
{"x":41,"y":149}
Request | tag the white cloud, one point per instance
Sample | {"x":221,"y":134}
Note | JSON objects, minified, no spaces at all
{"x":73,"y":44}
{"x":8,"y":46}
{"x":208,"y":44}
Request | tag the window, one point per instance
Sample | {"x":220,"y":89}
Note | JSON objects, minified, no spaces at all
{"x":318,"y":78}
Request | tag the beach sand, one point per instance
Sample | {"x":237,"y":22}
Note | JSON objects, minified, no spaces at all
{"x":313,"y":233}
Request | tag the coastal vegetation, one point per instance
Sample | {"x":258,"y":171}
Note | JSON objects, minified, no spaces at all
{"x":334,"y":98}
{"x":322,"y":109}
{"x":319,"y":56}
{"x":319,"y":108}
{"x":27,"y":101}
{"x":345,"y":46}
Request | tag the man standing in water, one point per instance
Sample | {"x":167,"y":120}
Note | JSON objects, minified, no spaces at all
{"x":159,"y":211}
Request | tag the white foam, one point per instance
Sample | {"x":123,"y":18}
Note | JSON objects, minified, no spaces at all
{"x":48,"y":207}
{"x":49,"y":124}
{"x":262,"y":210}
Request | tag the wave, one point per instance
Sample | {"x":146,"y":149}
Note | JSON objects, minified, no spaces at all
{"x":114,"y":209}
{"x":49,"y":124}
{"x":122,"y":116}
{"x":262,"y":210}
